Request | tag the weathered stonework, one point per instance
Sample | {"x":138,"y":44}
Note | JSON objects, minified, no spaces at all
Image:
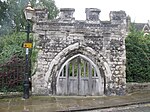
{"x":103,"y":42}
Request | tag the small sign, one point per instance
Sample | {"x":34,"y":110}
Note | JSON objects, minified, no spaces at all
{"x":27,"y":45}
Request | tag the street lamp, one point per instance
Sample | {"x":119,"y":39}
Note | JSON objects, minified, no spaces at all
{"x":29,"y":12}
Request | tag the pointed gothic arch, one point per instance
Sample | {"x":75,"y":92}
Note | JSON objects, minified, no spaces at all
{"x":86,"y":53}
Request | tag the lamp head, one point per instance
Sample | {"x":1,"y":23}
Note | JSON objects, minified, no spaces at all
{"x":29,"y":12}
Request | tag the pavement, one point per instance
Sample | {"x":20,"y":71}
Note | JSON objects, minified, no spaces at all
{"x":131,"y":108}
{"x":75,"y":103}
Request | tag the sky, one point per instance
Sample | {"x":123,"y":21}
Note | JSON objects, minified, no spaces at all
{"x":138,"y":10}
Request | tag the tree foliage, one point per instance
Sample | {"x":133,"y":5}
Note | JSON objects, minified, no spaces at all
{"x":13,"y":17}
{"x":11,"y":45}
{"x":52,"y":9}
{"x":12,"y":20}
{"x":138,"y":56}
{"x":5,"y":21}
{"x":3,"y":7}
{"x":12,"y":61}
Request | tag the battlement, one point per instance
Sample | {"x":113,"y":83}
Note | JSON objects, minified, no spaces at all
{"x":92,"y":15}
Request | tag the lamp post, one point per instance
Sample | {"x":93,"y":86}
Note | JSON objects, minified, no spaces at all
{"x":28,"y":11}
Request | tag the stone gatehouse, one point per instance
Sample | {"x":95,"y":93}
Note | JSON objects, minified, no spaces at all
{"x":80,"y":57}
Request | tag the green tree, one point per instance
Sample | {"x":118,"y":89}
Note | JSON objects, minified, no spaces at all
{"x":52,"y":9}
{"x":11,"y":45}
{"x":5,"y":21}
{"x":138,"y":56}
{"x":3,"y":7}
{"x":12,"y":20}
{"x":12,"y":13}
{"x":15,"y":11}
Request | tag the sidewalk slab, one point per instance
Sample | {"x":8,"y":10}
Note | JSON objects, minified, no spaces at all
{"x":71,"y":103}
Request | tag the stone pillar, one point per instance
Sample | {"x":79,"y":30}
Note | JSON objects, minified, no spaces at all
{"x":41,"y":14}
{"x":66,"y":14}
{"x":128,"y":22}
{"x":92,"y":14}
{"x":117,"y":17}
{"x":117,"y":52}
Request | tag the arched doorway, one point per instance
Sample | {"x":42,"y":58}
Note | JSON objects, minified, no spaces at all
{"x":79,"y":76}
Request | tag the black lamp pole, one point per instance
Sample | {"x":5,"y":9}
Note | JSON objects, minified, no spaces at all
{"x":29,"y":12}
{"x":26,"y":75}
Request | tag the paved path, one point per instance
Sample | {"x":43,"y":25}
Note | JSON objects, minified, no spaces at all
{"x":133,"y":108}
{"x":73,"y":103}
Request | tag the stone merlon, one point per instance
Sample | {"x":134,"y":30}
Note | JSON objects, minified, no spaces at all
{"x":67,"y":13}
{"x":92,"y":14}
{"x":117,"y":16}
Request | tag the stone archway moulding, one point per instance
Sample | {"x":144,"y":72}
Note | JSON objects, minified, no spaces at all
{"x":60,"y":58}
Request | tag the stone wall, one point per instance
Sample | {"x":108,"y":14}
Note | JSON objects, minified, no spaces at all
{"x":135,"y":87}
{"x":101,"y":41}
